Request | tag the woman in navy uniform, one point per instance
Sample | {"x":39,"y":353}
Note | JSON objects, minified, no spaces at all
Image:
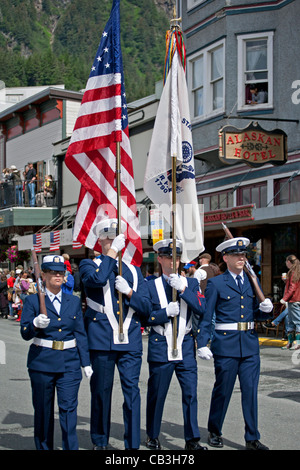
{"x":56,"y":355}
{"x":188,"y":307}
{"x":235,"y":345}
{"x":102,"y":285}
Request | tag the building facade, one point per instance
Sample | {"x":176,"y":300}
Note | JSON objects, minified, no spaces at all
{"x":232,"y":47}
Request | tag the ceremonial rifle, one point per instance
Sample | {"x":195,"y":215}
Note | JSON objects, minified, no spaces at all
{"x":39,"y":283}
{"x":248,"y":270}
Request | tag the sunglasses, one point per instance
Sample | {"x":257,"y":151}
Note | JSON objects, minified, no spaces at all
{"x":55,"y":273}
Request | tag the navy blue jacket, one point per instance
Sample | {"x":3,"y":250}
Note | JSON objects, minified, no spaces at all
{"x":157,"y":345}
{"x":64,"y":327}
{"x":99,"y":330}
{"x":230,"y":306}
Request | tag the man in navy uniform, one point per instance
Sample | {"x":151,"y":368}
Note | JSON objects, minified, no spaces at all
{"x":58,"y":351}
{"x":108,"y":349}
{"x":163,"y":358}
{"x":235,"y":345}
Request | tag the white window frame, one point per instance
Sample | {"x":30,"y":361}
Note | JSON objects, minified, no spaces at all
{"x":208,"y":111}
{"x":241,"y":67}
{"x":193,"y":3}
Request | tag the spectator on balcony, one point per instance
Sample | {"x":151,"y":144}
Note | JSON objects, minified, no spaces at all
{"x":6,"y":188}
{"x":15,"y":178}
{"x":30,"y":178}
{"x":49,"y":189}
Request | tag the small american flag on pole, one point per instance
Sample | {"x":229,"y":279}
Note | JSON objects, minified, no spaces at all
{"x":91,"y":156}
{"x":54,"y":240}
{"x":37,"y":242}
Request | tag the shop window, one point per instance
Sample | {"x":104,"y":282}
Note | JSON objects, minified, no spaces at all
{"x":287,"y":190}
{"x":216,"y":201}
{"x":206,"y":81}
{"x":252,"y":195}
{"x":255,"y":70}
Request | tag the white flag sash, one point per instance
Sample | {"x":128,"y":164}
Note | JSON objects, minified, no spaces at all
{"x":109,"y":311}
{"x":168,"y":327}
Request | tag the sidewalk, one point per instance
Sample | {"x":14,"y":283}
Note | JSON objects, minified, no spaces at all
{"x":269,"y":341}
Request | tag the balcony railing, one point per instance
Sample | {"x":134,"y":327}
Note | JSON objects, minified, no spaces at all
{"x":23,"y":195}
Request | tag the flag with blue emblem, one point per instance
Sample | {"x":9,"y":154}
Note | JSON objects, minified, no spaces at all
{"x":172,"y":138}
{"x":91,"y":155}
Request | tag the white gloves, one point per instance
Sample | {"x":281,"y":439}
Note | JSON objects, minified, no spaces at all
{"x":172,"y":309}
{"x":204,"y":353}
{"x":41,"y":321}
{"x":176,"y":282}
{"x":200,"y":274}
{"x":266,"y":306}
{"x":284,"y":302}
{"x":88,"y":371}
{"x":122,"y":285}
{"x":119,"y":243}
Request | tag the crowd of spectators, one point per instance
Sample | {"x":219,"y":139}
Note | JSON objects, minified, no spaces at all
{"x":19,"y":188}
{"x":16,"y":285}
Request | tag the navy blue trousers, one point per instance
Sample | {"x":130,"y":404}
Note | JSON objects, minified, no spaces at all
{"x":43,"y":386}
{"x":160,"y":375}
{"x":227,"y":369}
{"x":129,"y":367}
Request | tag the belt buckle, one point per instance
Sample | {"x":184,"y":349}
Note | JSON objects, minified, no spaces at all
{"x":58,"y":345}
{"x":243,"y":326}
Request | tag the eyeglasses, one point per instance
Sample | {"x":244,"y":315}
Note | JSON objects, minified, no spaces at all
{"x":55,"y":273}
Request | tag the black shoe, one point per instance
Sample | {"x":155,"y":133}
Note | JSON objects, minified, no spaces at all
{"x":255,"y":445}
{"x":194,"y":445}
{"x":269,"y":326}
{"x":153,"y":444}
{"x":99,"y":447}
{"x":214,"y":440}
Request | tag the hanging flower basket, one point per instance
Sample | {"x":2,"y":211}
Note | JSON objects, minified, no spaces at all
{"x":15,"y":256}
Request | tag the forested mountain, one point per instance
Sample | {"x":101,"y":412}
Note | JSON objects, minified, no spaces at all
{"x":45,"y":42}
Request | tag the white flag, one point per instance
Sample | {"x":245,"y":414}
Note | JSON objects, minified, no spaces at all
{"x":172,"y":137}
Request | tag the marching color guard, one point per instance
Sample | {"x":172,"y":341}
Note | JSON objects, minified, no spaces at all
{"x":235,"y":345}
{"x":188,"y":308}
{"x":102,"y":285}
{"x":56,"y":355}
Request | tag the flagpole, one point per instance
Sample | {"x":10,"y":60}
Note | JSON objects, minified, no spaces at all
{"x":174,"y":26}
{"x":118,"y":176}
{"x":174,"y":250}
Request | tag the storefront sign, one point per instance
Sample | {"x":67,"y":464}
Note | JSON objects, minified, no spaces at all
{"x":252,"y":145}
{"x":157,"y":225}
{"x":236,"y":214}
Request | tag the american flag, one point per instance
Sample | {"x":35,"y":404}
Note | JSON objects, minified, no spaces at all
{"x":37,"y":242}
{"x":54,"y":240}
{"x":91,"y":156}
{"x":76,"y":245}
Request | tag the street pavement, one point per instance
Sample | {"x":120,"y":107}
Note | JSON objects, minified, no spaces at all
{"x":279,"y":401}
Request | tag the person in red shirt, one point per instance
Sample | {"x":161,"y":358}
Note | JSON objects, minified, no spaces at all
{"x":291,"y":297}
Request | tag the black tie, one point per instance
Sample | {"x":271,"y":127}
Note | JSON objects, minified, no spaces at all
{"x":239,"y":282}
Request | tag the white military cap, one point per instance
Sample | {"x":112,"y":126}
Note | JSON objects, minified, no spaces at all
{"x":53,"y":263}
{"x":165,"y":247}
{"x":108,"y":228}
{"x":234,"y":245}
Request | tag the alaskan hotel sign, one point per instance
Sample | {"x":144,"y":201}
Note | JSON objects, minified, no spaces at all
{"x":252,"y":145}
